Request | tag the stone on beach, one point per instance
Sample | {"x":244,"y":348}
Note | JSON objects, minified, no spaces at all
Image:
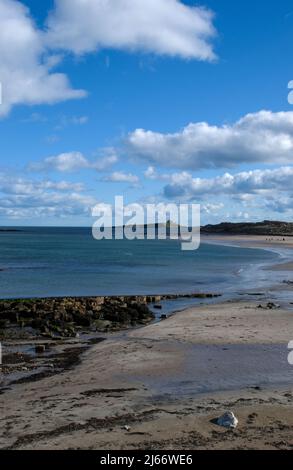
{"x":228,"y":420}
{"x":40,"y":348}
{"x":270,"y":306}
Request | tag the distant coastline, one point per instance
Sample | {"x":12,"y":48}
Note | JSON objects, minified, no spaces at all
{"x":265,"y":228}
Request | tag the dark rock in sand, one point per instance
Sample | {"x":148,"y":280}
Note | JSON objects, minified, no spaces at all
{"x":40,"y":348}
{"x":80,"y":319}
{"x":270,"y":306}
{"x":3,"y":324}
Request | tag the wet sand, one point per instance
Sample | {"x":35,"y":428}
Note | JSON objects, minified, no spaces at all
{"x":162,"y":386}
{"x":283,"y":267}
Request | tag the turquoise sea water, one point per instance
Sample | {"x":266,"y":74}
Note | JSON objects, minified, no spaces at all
{"x":37,"y":262}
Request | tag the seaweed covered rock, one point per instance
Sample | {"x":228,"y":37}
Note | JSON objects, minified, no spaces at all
{"x":63,"y":316}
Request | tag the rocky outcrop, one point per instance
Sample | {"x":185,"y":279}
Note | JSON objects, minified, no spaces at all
{"x":64,"y":316}
{"x":200,"y":295}
{"x":266,"y":228}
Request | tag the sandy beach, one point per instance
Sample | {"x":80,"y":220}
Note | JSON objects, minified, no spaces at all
{"x":252,"y":241}
{"x":164,"y":385}
{"x":145,"y":389}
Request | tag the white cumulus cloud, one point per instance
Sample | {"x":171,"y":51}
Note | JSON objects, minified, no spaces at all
{"x":25,"y":68}
{"x":243,"y":184}
{"x":74,"y":161}
{"x":264,"y":137}
{"x":121,"y":177}
{"x":165,"y":27}
{"x":26,"y":198}
{"x":29,"y":53}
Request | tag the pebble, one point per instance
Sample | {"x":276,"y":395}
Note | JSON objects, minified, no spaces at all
{"x":228,"y":420}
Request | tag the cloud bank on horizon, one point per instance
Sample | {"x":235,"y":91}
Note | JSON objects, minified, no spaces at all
{"x":237,"y":169}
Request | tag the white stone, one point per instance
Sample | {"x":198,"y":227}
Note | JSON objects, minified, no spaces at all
{"x":228,"y":420}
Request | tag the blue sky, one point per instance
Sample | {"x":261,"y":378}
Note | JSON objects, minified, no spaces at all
{"x":125,"y":116}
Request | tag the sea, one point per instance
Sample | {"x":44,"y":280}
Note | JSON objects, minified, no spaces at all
{"x":49,"y":262}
